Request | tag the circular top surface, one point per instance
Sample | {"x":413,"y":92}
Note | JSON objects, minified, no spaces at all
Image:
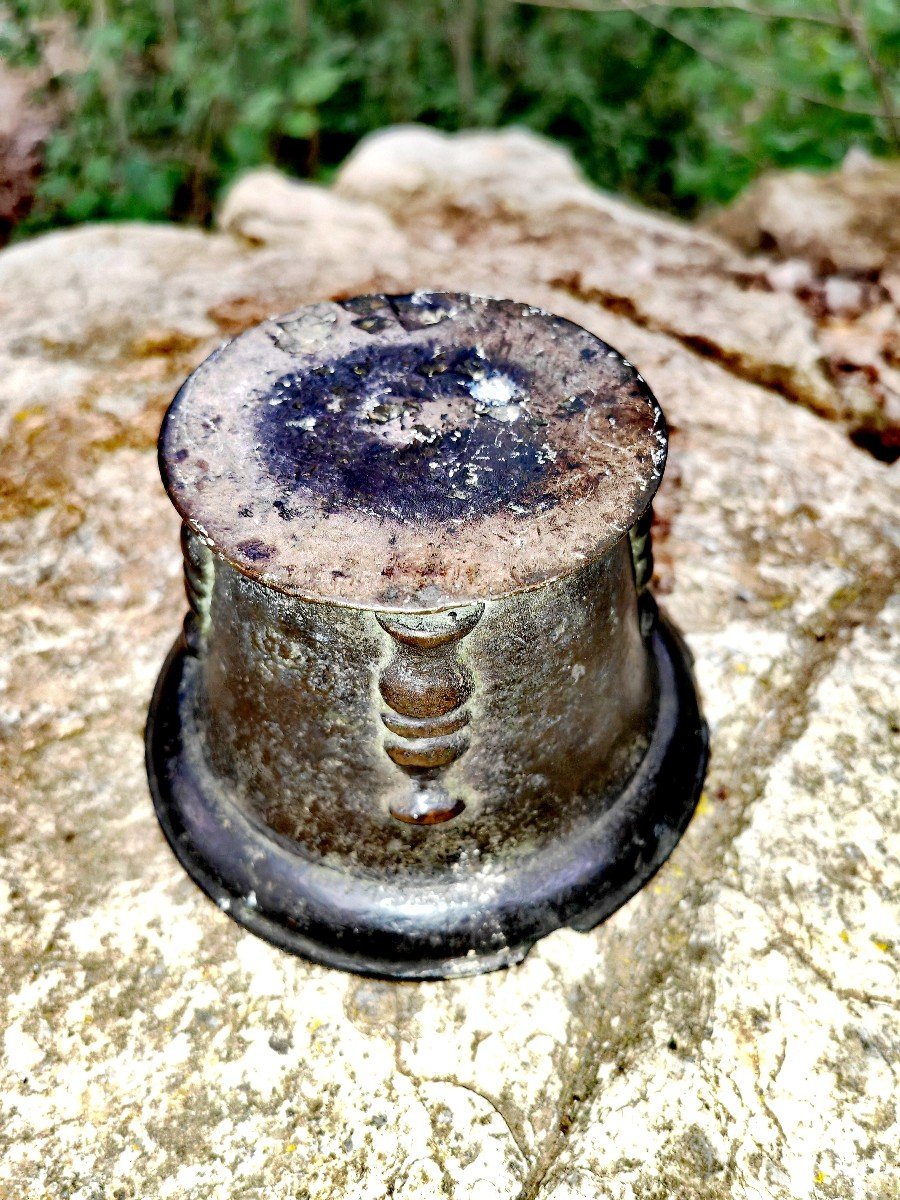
{"x":412,"y":452}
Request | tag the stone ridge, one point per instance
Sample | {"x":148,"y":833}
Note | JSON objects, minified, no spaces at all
{"x":727,"y":1034}
{"x":820,"y":327}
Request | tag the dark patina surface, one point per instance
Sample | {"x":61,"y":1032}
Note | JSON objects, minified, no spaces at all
{"x":413,"y":452}
{"x":423,"y":710}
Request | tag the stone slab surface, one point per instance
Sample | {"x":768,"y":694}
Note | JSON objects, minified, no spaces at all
{"x":731,"y":1032}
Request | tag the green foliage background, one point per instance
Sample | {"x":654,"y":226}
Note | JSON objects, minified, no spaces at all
{"x":677,"y":105}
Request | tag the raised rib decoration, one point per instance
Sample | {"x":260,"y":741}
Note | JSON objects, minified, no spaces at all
{"x":198,"y":581}
{"x":426,"y":688}
{"x":641,"y":540}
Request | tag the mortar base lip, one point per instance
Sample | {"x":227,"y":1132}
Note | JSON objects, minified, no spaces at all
{"x":363,"y":925}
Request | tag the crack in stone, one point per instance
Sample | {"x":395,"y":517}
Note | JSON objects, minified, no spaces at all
{"x":637,"y":993}
{"x":775,"y":377}
{"x":513,"y":1125}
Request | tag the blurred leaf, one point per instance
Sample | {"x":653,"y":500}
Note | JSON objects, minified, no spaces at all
{"x":247,"y":144}
{"x":259,"y":110}
{"x":301,"y":123}
{"x":316,"y":84}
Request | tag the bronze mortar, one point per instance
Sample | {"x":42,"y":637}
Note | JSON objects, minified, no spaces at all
{"x":423,"y":710}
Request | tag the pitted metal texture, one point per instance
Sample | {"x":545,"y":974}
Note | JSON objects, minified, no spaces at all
{"x":413,"y":452}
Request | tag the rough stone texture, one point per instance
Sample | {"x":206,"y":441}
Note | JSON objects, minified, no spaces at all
{"x":839,"y":237}
{"x":841,"y":221}
{"x":786,"y":329}
{"x":730,"y":1033}
{"x":265,"y":206}
{"x":662,"y":273}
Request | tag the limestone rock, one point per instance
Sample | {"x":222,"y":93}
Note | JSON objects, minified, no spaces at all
{"x":513,"y":192}
{"x":839,"y":221}
{"x":839,"y":237}
{"x":727,"y":1034}
{"x":264,"y":206}
{"x":413,"y":170}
